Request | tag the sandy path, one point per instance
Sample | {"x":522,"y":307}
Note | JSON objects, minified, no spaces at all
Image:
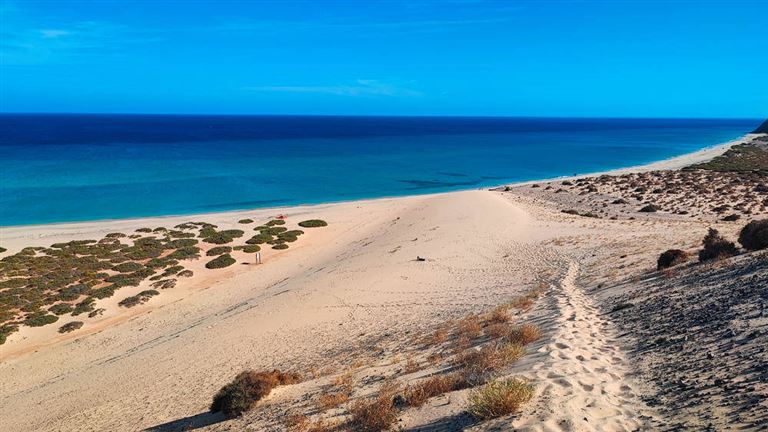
{"x":584,"y":382}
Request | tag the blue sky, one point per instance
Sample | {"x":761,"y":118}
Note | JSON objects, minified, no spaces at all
{"x":615,"y":59}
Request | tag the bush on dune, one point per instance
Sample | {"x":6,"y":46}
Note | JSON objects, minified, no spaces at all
{"x":221,"y":261}
{"x":499,"y":398}
{"x":40,"y":319}
{"x":754,"y":236}
{"x":70,"y":326}
{"x":313,"y":223}
{"x":219,"y":250}
{"x":247,"y":389}
{"x":671,"y":258}
{"x":716,"y":247}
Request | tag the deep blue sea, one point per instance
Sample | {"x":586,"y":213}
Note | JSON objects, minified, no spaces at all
{"x":59,"y":168}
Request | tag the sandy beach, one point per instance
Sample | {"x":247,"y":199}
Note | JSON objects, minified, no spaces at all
{"x":355,"y":297}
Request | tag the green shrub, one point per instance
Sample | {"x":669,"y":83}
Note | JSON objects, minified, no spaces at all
{"x":40,"y":319}
{"x":61,"y":308}
{"x":218,"y":250}
{"x":104,"y":292}
{"x":70,"y":326}
{"x":245,"y":221}
{"x":144,"y":230}
{"x":84,"y":306}
{"x":222,"y":237}
{"x":96,"y":312}
{"x":185,"y":253}
{"x":221,"y":261}
{"x":274,"y":230}
{"x":73,"y":292}
{"x":251,"y":248}
{"x":138,"y":299}
{"x":280,"y":246}
{"x":313,"y":223}
{"x":127,"y":267}
{"x":185,"y":273}
{"x":259,"y":239}
{"x":6,"y":330}
{"x":275,"y":222}
{"x":247,"y":389}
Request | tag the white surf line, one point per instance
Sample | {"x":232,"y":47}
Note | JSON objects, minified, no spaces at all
{"x":584,"y":382}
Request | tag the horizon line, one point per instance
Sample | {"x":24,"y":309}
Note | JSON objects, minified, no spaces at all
{"x":181,"y":114}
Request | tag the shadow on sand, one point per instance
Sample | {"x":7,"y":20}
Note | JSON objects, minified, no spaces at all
{"x":190,"y":423}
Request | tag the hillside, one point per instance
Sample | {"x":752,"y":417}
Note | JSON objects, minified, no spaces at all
{"x":763,"y":128}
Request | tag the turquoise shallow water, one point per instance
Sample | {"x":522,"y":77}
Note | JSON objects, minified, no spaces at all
{"x":59,"y":168}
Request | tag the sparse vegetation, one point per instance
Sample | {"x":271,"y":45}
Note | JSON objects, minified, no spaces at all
{"x":524,"y":334}
{"x":499,"y":398}
{"x":247,"y":389}
{"x":375,"y":414}
{"x":418,"y":394}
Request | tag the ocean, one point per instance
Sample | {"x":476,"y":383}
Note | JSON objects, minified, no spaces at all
{"x":63,"y":168}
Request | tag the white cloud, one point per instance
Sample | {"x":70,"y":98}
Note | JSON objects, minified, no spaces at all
{"x":361,"y":87}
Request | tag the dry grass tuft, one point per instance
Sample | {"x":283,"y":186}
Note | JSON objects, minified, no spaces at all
{"x":438,"y":337}
{"x":497,"y":330}
{"x":479,"y":364}
{"x":418,"y":394}
{"x":301,"y":423}
{"x":411,"y":366}
{"x":345,"y":382}
{"x":522,"y":303}
{"x":328,"y":401}
{"x":499,"y":398}
{"x":247,"y":389}
{"x":375,"y":414}
{"x":524,"y":334}
{"x":500,"y":315}
{"x":469,"y":327}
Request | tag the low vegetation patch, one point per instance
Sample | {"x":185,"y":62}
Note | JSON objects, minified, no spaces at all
{"x":247,"y":389}
{"x":499,"y":398}
{"x":138,"y":299}
{"x":313,"y":223}
{"x":70,"y":326}
{"x":40,"y":319}
{"x":375,"y":414}
{"x":716,"y":247}
{"x":671,"y":258}
{"x":221,"y":261}
{"x":219,"y":250}
{"x":754,"y":236}
{"x":417,"y":395}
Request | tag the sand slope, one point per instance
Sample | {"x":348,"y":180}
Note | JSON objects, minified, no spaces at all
{"x":353,"y":280}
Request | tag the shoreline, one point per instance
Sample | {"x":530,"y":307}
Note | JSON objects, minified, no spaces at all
{"x":672,"y":163}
